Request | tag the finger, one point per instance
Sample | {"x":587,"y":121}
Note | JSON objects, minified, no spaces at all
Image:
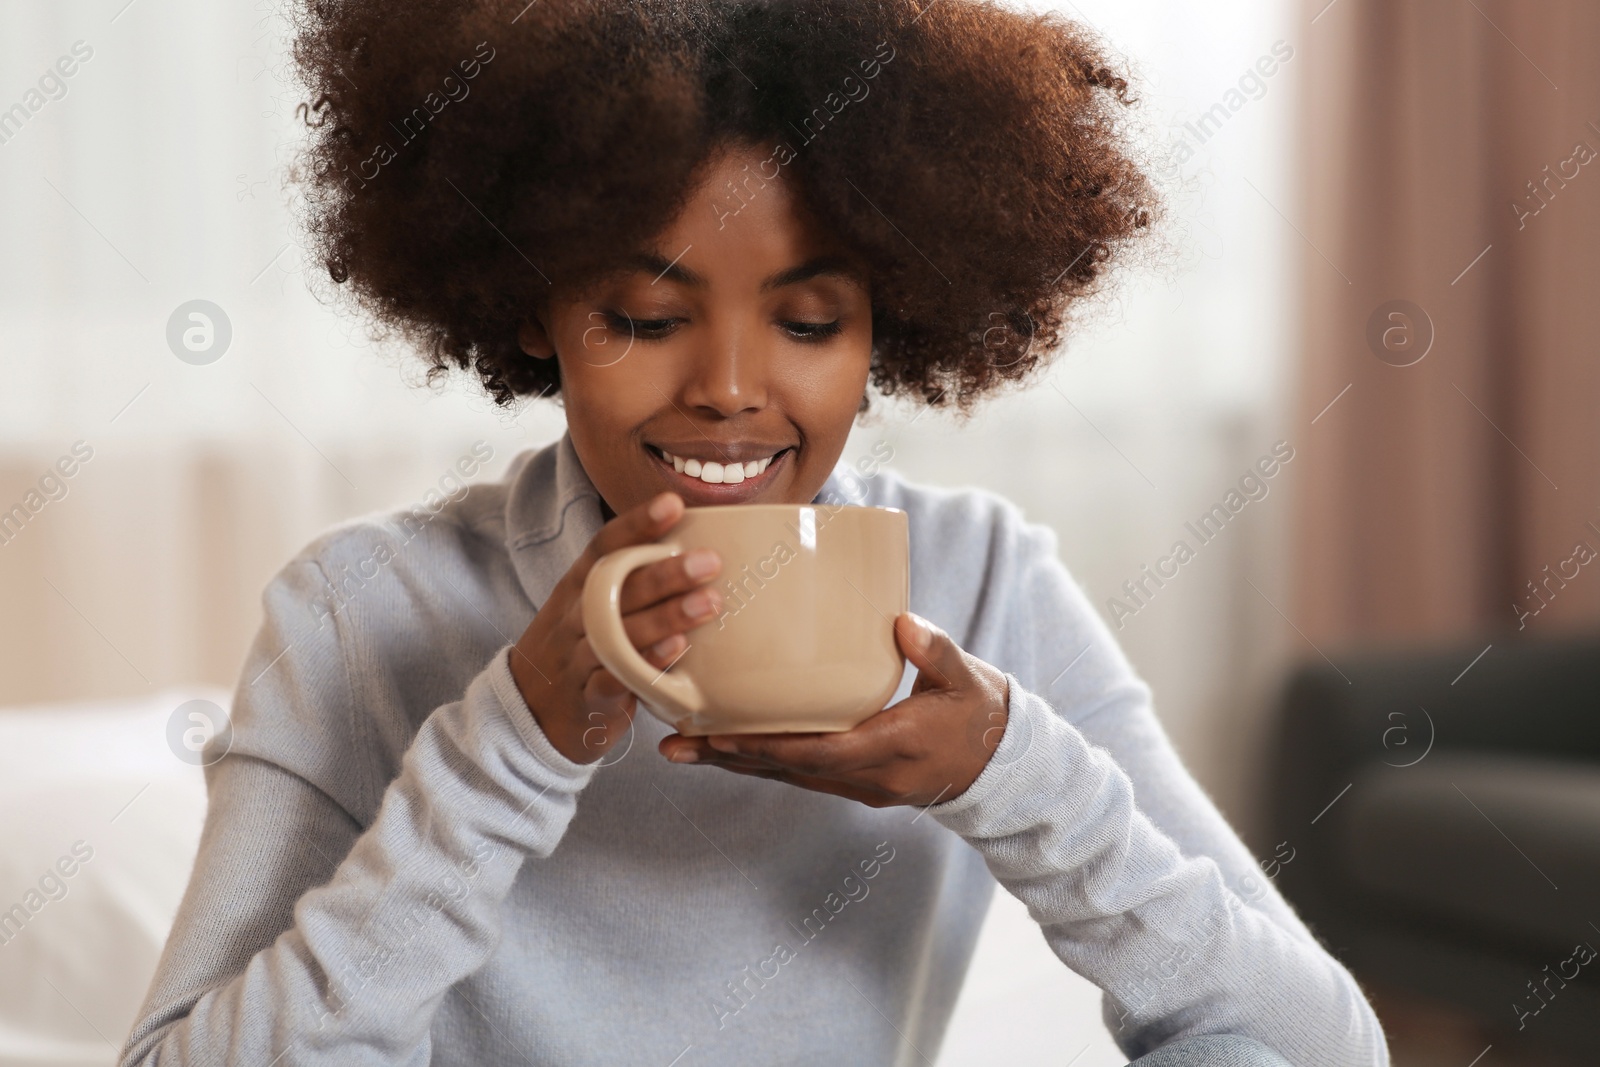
{"x":676,"y":745}
{"x":661,"y":655}
{"x":843,"y":753}
{"x":679,"y":749}
{"x":639,"y":524}
{"x":666,"y":652}
{"x":678,"y":615}
{"x":644,"y":628}
{"x":668,"y":577}
{"x":939,"y":660}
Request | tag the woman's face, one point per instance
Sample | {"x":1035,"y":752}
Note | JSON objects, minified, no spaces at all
{"x":729,"y":364}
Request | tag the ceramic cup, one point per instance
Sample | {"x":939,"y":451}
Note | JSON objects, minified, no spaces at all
{"x":805,"y":641}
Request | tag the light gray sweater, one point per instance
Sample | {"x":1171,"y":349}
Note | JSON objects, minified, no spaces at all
{"x":398,"y":868}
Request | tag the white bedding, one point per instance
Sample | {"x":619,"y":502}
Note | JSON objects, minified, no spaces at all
{"x":99,"y":822}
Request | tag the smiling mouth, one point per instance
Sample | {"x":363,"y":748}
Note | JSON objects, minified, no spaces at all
{"x":714,"y":472}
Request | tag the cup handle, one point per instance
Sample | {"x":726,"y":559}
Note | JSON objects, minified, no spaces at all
{"x":602,"y":622}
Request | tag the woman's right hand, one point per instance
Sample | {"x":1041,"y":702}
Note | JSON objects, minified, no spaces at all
{"x":578,"y":704}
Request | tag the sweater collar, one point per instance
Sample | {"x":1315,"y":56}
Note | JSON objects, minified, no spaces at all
{"x":553,"y":511}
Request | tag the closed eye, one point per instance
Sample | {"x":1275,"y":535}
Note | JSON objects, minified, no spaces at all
{"x":647,"y":329}
{"x":813,"y":331}
{"x":657,"y":329}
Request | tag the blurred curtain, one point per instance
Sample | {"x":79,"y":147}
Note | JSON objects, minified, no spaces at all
{"x":1451,"y":153}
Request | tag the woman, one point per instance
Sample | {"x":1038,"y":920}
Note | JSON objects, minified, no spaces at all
{"x":709,"y":227}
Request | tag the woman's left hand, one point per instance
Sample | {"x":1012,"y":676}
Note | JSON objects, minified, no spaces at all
{"x":925,"y":750}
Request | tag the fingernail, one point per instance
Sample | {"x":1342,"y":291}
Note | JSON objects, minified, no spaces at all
{"x":722,"y":744}
{"x":667,"y":646}
{"x":922,"y":633}
{"x":661,"y":507}
{"x":701,"y":563}
{"x":684,"y":755}
{"x":699,"y":604}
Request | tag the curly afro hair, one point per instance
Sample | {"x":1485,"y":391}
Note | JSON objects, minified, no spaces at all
{"x":469,"y":158}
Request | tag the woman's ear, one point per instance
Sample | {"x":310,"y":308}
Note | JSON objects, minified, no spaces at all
{"x":533,"y":340}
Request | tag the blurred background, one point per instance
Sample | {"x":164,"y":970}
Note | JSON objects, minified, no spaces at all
{"x":1383,"y":661}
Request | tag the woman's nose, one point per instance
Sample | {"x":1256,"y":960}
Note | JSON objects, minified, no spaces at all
{"x":728,"y":374}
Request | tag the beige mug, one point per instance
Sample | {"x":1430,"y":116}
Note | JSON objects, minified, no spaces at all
{"x":805,"y":641}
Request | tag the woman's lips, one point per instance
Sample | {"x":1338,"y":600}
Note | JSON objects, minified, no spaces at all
{"x":697,"y":491}
{"x":721,"y":470}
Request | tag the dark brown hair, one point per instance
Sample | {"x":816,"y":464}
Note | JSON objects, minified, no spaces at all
{"x":467,"y":158}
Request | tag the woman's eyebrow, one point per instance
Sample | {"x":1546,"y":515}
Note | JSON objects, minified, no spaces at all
{"x":817,"y":266}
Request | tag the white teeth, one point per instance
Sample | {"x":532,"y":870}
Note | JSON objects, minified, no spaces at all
{"x":718,"y":473}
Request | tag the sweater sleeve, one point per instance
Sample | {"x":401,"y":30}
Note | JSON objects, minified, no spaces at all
{"x":1086,"y":814}
{"x":303,"y":938}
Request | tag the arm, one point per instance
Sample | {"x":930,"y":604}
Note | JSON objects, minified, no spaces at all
{"x":1139,"y":897}
{"x":1087,"y":815}
{"x":304,"y":929}
{"x":300,"y":931}
{"x":1177,"y":951}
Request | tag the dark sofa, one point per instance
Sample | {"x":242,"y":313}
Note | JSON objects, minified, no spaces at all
{"x":1445,"y":827}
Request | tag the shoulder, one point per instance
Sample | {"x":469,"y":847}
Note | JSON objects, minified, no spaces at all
{"x":453,"y":517}
{"x":972,"y":549}
{"x":371,"y":624}
{"x":946,"y":520}
{"x":430,"y":578}
{"x":995,"y":581}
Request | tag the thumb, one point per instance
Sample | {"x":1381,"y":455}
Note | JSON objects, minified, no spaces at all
{"x":937,"y":658}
